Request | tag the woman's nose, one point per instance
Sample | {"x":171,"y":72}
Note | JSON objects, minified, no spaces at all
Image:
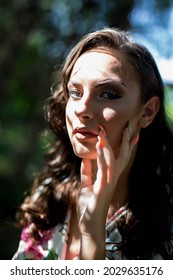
{"x":84,"y":108}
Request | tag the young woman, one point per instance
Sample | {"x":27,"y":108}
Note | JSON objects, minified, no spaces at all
{"x":108,"y":182}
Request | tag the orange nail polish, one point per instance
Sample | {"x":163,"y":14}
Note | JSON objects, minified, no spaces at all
{"x":101,"y":143}
{"x":136,"y":139}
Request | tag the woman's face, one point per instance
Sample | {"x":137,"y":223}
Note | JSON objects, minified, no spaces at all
{"x":103,"y":90}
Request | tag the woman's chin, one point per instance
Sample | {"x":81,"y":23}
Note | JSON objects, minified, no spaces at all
{"x":85,"y":153}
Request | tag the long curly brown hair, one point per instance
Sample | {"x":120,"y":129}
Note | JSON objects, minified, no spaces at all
{"x":151,"y":180}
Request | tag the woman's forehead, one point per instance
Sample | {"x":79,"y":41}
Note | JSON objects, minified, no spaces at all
{"x":104,"y":63}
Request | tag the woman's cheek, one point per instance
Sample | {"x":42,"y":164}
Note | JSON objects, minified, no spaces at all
{"x":109,"y":122}
{"x":109,"y":114}
{"x":69,"y":119}
{"x":114,"y":127}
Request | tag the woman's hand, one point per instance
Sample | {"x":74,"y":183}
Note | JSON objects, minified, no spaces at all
{"x":95,"y":197}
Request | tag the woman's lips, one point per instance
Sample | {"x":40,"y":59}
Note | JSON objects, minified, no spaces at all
{"x":84,"y":134}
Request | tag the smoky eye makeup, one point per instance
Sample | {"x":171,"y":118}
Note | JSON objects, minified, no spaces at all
{"x":111,"y":91}
{"x":108,"y":89}
{"x":111,"y":94}
{"x":74,"y":93}
{"x":112,"y":87}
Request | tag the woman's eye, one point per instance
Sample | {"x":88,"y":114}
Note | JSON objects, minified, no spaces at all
{"x":110,"y":94}
{"x":75,"y":94}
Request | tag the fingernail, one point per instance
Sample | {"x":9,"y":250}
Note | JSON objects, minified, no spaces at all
{"x":102,"y":130}
{"x":101,"y":143}
{"x":136,"y":139}
{"x":129,"y":128}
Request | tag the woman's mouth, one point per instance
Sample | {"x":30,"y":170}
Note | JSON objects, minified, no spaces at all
{"x":84,"y":133}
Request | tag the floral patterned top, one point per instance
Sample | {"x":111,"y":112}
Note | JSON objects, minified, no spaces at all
{"x":53,"y":243}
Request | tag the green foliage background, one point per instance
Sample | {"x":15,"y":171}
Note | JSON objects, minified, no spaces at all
{"x":35,"y":36}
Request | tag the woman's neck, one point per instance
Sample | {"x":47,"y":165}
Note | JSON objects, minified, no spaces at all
{"x":120,"y":196}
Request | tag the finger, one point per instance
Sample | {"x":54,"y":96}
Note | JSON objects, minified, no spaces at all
{"x":108,"y":155}
{"x":127,"y":147}
{"x":125,"y":144}
{"x":101,"y":179}
{"x":136,"y":139}
{"x":86,"y":171}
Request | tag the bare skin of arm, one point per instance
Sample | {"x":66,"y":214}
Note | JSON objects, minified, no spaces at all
{"x":95,"y":197}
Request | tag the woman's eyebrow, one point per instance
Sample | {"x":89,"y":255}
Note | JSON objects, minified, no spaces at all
{"x":110,"y":81}
{"x":73,"y":82}
{"x":98,"y":83}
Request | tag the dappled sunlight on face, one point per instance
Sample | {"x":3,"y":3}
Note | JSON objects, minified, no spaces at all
{"x":103,"y":90}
